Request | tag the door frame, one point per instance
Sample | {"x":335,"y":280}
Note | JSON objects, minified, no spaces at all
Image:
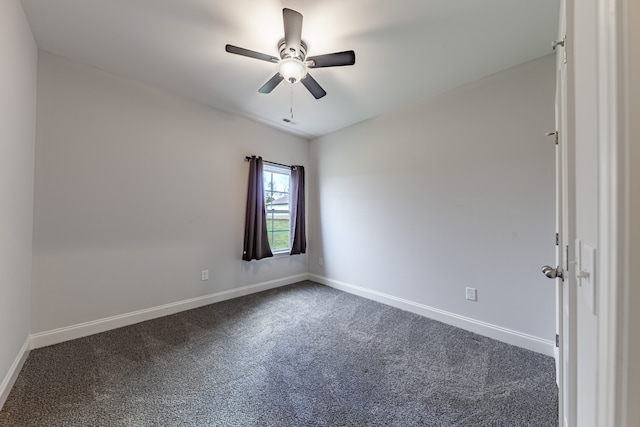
{"x":614,"y":406}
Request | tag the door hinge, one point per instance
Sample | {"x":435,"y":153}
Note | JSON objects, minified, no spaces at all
{"x":557,"y":239}
{"x":562,"y":43}
{"x":557,"y":340}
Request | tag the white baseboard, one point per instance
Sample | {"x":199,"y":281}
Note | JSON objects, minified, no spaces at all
{"x":14,"y":370}
{"x":55,"y":336}
{"x":499,"y":333}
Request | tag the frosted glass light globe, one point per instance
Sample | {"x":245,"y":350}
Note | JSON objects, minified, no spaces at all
{"x":293,"y":70}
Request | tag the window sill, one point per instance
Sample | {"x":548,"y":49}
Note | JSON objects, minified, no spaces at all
{"x":281,"y":253}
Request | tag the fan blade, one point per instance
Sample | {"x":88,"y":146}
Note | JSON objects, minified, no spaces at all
{"x":271,"y":84}
{"x":337,"y":59}
{"x":312,"y":85}
{"x":292,"y":30}
{"x":251,"y":54}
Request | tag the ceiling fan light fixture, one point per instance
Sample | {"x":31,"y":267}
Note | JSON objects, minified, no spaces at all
{"x":293,"y":70}
{"x":293,"y":63}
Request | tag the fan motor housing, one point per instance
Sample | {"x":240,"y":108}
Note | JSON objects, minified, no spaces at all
{"x":284,"y":54}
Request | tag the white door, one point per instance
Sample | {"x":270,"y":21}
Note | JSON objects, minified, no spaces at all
{"x":565,"y":249}
{"x":557,"y":270}
{"x":565,"y":352}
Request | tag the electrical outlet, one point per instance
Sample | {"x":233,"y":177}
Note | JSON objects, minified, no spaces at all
{"x":472,"y":294}
{"x":320,"y":261}
{"x":204,"y":275}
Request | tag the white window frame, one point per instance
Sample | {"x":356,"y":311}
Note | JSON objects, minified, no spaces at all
{"x":282,"y":170}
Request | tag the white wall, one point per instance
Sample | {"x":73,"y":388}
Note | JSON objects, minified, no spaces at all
{"x":136,"y":191}
{"x":456,"y":192}
{"x":18,"y":77}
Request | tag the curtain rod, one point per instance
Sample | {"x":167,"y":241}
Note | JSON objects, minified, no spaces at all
{"x":248,"y":158}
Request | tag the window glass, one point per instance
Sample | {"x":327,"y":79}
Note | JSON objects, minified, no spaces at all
{"x":276,"y":196}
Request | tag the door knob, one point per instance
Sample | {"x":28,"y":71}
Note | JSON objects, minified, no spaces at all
{"x":552,"y":273}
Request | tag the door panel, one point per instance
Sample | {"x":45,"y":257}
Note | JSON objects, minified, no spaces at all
{"x":565,"y":211}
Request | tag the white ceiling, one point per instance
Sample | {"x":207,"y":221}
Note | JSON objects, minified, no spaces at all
{"x":406,"y":51}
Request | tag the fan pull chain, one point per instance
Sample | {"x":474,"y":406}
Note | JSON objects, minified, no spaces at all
{"x":291,"y":109}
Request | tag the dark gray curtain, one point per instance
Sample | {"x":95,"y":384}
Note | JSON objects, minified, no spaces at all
{"x":256,"y":241}
{"x":299,"y":241}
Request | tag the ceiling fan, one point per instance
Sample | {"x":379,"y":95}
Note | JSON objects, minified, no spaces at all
{"x":293,"y":63}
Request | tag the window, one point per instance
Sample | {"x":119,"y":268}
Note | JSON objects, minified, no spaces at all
{"x":277,"y":184}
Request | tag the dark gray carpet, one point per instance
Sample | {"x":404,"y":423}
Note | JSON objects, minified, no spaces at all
{"x":301,"y":355}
